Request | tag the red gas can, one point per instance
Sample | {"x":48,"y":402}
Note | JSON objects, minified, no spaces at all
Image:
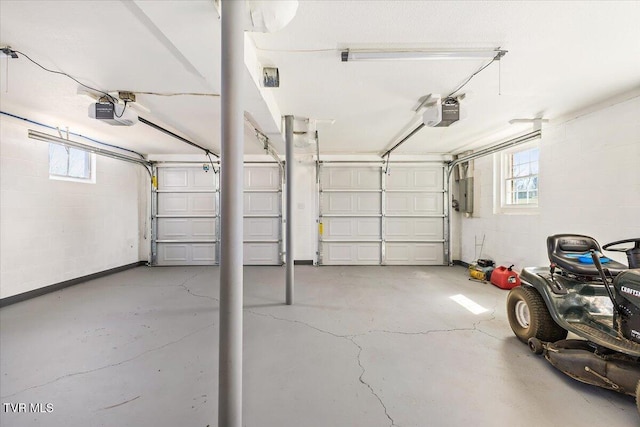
{"x":505,"y":278}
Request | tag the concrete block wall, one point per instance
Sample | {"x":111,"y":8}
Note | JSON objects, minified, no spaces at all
{"x":589,"y":184}
{"x":51,"y":230}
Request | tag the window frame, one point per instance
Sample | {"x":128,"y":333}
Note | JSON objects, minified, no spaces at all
{"x":502,"y":174}
{"x":90,"y":159}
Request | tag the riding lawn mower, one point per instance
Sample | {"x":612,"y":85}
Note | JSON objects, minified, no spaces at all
{"x":591,"y":296}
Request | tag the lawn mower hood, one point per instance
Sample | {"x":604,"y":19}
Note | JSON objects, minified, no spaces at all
{"x":627,"y":296}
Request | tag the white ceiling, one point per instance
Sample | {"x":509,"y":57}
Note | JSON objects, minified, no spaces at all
{"x":563,"y":57}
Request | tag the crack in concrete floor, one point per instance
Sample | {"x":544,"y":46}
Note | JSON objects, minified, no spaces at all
{"x":190,"y":292}
{"x":111,"y":365}
{"x":349,"y":338}
{"x":73,"y":374}
{"x":361,"y":379}
{"x":183,"y":285}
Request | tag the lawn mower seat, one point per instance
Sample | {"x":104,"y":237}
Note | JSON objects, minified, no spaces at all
{"x":571,"y":252}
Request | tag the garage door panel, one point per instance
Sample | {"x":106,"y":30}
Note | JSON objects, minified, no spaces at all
{"x":173,"y":204}
{"x":351,"y":253}
{"x":336,"y":228}
{"x":186,"y":228}
{"x":202,"y":203}
{"x":351,"y":228}
{"x":351,"y":203}
{"x":405,"y":253}
{"x":368,"y":252}
{"x":201,"y":180}
{"x":186,"y":204}
{"x":368,"y":202}
{"x":176,"y":179}
{"x":352,"y":236}
{"x":173,"y":228}
{"x":186,"y":216}
{"x":410,"y":203}
{"x":261,"y":178}
{"x":414,"y":228}
{"x":367,"y":178}
{"x":399,"y":179}
{"x":261,"y":228}
{"x":415,"y":178}
{"x":344,"y":178}
{"x":204,"y":253}
{"x":369,"y":228}
{"x":203,"y":228}
{"x":263,"y":215}
{"x":398,"y":228}
{"x":403,"y":212}
{"x":173,"y":252}
{"x":429,"y":180}
{"x":173,"y":179}
{"x":186,"y":254}
{"x":428,"y":204}
{"x":261,"y":204}
{"x":338,"y":203}
{"x":261,"y":254}
{"x":337,"y":253}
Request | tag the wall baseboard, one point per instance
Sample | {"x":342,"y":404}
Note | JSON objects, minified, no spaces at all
{"x":61,"y":285}
{"x":462,"y":263}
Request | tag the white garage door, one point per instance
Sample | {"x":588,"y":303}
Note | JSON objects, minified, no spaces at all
{"x":369,"y":217}
{"x":350,"y":215}
{"x":187,"y":216}
{"x":262,"y":214}
{"x":414,"y":215}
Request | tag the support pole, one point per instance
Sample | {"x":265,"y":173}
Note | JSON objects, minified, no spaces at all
{"x":231,"y":258}
{"x":288,"y":136}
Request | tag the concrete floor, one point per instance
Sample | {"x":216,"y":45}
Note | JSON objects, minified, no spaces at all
{"x":362,"y":346}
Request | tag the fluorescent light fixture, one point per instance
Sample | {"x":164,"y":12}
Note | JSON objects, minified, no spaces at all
{"x":401,"y":55}
{"x":468,"y":304}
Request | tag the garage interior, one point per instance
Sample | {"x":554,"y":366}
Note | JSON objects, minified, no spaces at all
{"x":371,"y":163}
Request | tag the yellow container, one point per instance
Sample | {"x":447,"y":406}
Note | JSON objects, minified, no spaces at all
{"x":477,"y":272}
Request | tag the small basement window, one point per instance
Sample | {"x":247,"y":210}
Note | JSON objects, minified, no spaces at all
{"x":71,"y":164}
{"x":518,"y":180}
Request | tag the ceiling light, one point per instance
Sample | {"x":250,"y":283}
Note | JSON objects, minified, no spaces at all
{"x":269,"y":16}
{"x":400,"y":55}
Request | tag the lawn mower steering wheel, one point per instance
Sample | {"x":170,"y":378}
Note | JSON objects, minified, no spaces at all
{"x":619,"y":242}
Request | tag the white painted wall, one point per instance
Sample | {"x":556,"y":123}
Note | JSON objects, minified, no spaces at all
{"x":305,"y":208}
{"x":589,"y":184}
{"x":54,"y":231}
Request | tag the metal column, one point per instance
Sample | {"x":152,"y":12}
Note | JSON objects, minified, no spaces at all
{"x":383,"y":213}
{"x":154,"y":212}
{"x":447,"y":217}
{"x":231,"y":257}
{"x":288,"y":127}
